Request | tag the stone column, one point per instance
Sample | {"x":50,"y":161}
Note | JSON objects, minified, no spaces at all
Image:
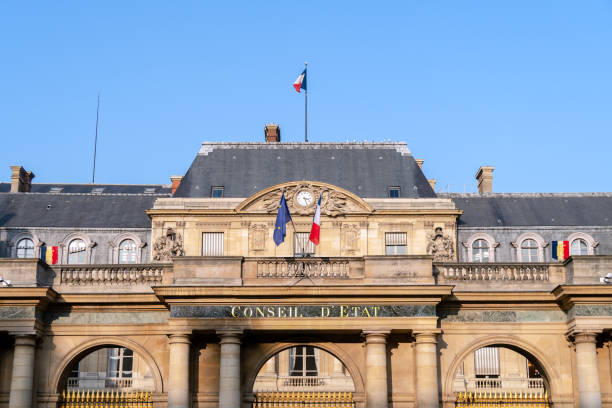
{"x":427,"y":370}
{"x":22,"y":380}
{"x":377,"y":395}
{"x":178,"y":376}
{"x":229,"y":369}
{"x":587,"y":371}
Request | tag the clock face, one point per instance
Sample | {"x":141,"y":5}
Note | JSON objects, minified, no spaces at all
{"x":304,"y":198}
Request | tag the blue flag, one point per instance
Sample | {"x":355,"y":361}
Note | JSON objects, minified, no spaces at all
{"x":282,"y":218}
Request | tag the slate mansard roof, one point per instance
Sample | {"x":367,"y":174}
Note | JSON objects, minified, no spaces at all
{"x":31,"y":210}
{"x":365,"y":169}
{"x":516,"y":210}
{"x":89,"y":188}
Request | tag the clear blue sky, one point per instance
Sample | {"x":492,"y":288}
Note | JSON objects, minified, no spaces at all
{"x":524,"y":86}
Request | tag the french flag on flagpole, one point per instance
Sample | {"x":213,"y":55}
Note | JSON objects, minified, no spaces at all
{"x":316,"y":224}
{"x":300,"y":82}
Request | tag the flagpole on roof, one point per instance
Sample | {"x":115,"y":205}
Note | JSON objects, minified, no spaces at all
{"x":305,"y":104}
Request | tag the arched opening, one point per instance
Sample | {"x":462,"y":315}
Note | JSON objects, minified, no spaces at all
{"x":501,"y":373}
{"x":305,"y":375}
{"x":107,"y":372}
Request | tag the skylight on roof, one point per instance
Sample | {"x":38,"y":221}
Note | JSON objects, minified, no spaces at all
{"x":97,"y":190}
{"x":149,"y":190}
{"x":56,"y":190}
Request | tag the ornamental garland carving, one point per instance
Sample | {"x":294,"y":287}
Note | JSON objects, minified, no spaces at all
{"x":350,"y":237}
{"x":441,"y":246}
{"x":168,"y":245}
{"x":333,"y":202}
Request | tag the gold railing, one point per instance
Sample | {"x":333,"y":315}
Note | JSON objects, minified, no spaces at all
{"x":105,"y":399}
{"x":502,"y":400}
{"x":298,"y":399}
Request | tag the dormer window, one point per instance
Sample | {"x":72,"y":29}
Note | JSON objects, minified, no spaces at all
{"x":216,"y":191}
{"x":393,"y":192}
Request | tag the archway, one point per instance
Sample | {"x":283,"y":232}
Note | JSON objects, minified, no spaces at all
{"x":303,"y":375}
{"x":70,"y":360}
{"x":505,"y":372}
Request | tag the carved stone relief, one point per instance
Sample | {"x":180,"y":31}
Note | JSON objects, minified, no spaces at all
{"x":350,"y":237}
{"x":257,"y":237}
{"x":441,"y":246}
{"x":333,"y":202}
{"x":168,"y":245}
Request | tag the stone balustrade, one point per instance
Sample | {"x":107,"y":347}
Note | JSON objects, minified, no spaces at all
{"x":482,"y":272}
{"x":336,"y":268}
{"x":108,"y":275}
{"x":514,"y":384}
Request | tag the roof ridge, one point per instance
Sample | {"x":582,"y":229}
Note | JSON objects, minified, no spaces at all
{"x":524,"y":195}
{"x":400,"y":147}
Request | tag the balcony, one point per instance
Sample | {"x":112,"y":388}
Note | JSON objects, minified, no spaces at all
{"x":502,"y":384}
{"x":286,"y":271}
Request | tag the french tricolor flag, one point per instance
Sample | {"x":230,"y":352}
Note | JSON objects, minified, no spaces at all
{"x":300,"y":82}
{"x":316,"y":224}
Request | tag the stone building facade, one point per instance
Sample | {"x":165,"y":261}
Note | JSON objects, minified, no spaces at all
{"x":411,"y":298}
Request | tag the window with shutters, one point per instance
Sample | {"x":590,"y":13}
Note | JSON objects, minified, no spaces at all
{"x":212,"y":244}
{"x":303,"y":361}
{"x":395,"y":243}
{"x":486,"y":362}
{"x":302,"y":246}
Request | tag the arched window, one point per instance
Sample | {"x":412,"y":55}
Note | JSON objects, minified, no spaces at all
{"x":579,"y":247}
{"x":77,"y":250}
{"x":529,"y":250}
{"x":480,"y":251}
{"x":25,"y":248}
{"x":127,"y":251}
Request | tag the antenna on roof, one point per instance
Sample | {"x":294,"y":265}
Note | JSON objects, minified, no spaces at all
{"x":93,"y":174}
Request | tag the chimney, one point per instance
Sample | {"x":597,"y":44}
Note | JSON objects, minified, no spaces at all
{"x":432,"y":183}
{"x":484,"y":175}
{"x":420,"y":163}
{"x":21,"y":180}
{"x":176,"y":182}
{"x":272,"y":132}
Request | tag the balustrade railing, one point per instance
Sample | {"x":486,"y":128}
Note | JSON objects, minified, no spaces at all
{"x":122,"y":274}
{"x":96,"y":398}
{"x":535,"y":272}
{"x":502,"y":399}
{"x":503,"y":383}
{"x":303,"y":267}
{"x":99,"y":382}
{"x":303,"y":382}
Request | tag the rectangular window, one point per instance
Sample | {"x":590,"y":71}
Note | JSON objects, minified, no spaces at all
{"x":302,"y":246}
{"x":393,"y":192}
{"x":486,"y":361}
{"x":395,"y":243}
{"x":212,"y":244}
{"x":216,"y":192}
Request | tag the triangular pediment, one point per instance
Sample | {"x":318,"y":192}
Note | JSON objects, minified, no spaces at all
{"x":335,"y":201}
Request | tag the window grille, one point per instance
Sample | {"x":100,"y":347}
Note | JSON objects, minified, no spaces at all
{"x":395,"y":243}
{"x":302,"y":246}
{"x":25,"y":248}
{"x":486,"y":361}
{"x":212,"y":244}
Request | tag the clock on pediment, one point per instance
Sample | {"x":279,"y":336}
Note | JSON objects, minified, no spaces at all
{"x":304,"y":198}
